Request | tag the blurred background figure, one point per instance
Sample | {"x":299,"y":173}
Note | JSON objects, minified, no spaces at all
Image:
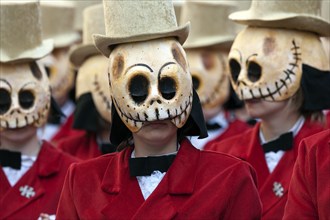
{"x":207,"y":48}
{"x":58,"y":24}
{"x":93,"y":110}
{"x":32,"y":171}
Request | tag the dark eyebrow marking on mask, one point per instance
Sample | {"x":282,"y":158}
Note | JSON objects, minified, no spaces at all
{"x":5,"y":81}
{"x":36,"y":72}
{"x":139,"y":64}
{"x":253,"y":55}
{"x":166,"y":64}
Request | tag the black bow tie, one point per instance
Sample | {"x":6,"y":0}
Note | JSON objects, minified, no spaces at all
{"x":10,"y":159}
{"x":144,"y":166}
{"x":108,"y":148}
{"x":212,"y":126}
{"x":283,"y":142}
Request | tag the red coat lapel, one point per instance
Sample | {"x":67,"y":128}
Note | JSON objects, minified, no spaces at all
{"x":29,"y":188}
{"x":179,"y":180}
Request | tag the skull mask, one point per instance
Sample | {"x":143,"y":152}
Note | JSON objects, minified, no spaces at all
{"x":267,"y":63}
{"x":209,"y":72}
{"x":60,"y":72}
{"x":150,"y":81}
{"x":92,"y":78}
{"x":24,"y":95}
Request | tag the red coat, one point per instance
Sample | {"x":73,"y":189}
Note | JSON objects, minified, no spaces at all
{"x":198,"y":185}
{"x":66,"y":130}
{"x":46,"y":177}
{"x":247,"y":147}
{"x":82,"y":146}
{"x":234,"y":127}
{"x":309,"y":194}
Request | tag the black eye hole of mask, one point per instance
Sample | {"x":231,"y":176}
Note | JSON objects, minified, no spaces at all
{"x":167,"y":87}
{"x":5,"y":101}
{"x":138,"y":88}
{"x":235,"y":69}
{"x":196,"y":82}
{"x":26,"y":99}
{"x":254,"y":71}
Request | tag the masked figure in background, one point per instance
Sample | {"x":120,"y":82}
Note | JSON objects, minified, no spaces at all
{"x":207,"y":49}
{"x":93,"y":110}
{"x":154,"y":108}
{"x":58,"y":24}
{"x":31,"y":171}
{"x":279,"y":68}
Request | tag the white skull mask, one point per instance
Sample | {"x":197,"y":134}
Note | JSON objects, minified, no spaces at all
{"x":92,"y":77}
{"x":150,"y":81}
{"x":60,"y":72}
{"x":209,"y":70}
{"x":267,"y":63}
{"x":24,"y":95}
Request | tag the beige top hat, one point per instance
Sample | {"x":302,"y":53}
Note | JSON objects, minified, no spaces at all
{"x":210,"y":25}
{"x":80,"y":6}
{"x":294,"y":14}
{"x":58,"y":22}
{"x":138,"y":20}
{"x":93,"y":23}
{"x":20,"y":35}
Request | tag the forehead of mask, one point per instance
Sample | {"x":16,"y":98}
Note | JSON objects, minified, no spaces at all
{"x":60,"y":72}
{"x":150,"y":81}
{"x":24,"y":95}
{"x":267,"y":63}
{"x":209,"y":70}
{"x":93,"y":77}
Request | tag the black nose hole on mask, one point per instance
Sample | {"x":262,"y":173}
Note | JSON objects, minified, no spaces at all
{"x":26,"y":99}
{"x":254,"y":71}
{"x":5,"y":101}
{"x":167,"y":87}
{"x":138,"y":88}
{"x":196,"y":82}
{"x":235,"y":69}
{"x":48,"y":71}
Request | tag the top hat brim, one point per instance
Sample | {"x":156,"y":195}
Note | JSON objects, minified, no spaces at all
{"x":216,"y":41}
{"x":66,"y":40}
{"x":81,"y":52}
{"x":303,"y":22}
{"x":35,"y":53}
{"x":104,"y":43}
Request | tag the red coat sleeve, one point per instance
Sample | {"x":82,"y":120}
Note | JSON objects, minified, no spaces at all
{"x":309,"y":192}
{"x":66,"y":208}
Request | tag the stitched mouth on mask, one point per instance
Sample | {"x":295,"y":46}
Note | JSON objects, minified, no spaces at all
{"x":143,"y":117}
{"x":104,"y":98}
{"x":22,"y":121}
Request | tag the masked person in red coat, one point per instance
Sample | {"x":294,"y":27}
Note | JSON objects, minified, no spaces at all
{"x":32,"y":171}
{"x":92,"y":115}
{"x":157,"y":174}
{"x":207,"y":49}
{"x":279,"y":68}
{"x":309,"y":187}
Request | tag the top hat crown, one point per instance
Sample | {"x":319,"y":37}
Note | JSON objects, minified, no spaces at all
{"x":210,"y":25}
{"x":58,"y":22}
{"x":139,"y":20}
{"x":93,"y":24}
{"x":301,"y":15}
{"x":21,"y":34}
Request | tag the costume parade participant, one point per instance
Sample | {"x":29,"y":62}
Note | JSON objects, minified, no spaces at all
{"x":58,"y":24}
{"x":31,"y":172}
{"x":158,"y":174}
{"x":309,"y":187}
{"x":207,"y":49}
{"x":282,"y":74}
{"x":93,"y":109}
